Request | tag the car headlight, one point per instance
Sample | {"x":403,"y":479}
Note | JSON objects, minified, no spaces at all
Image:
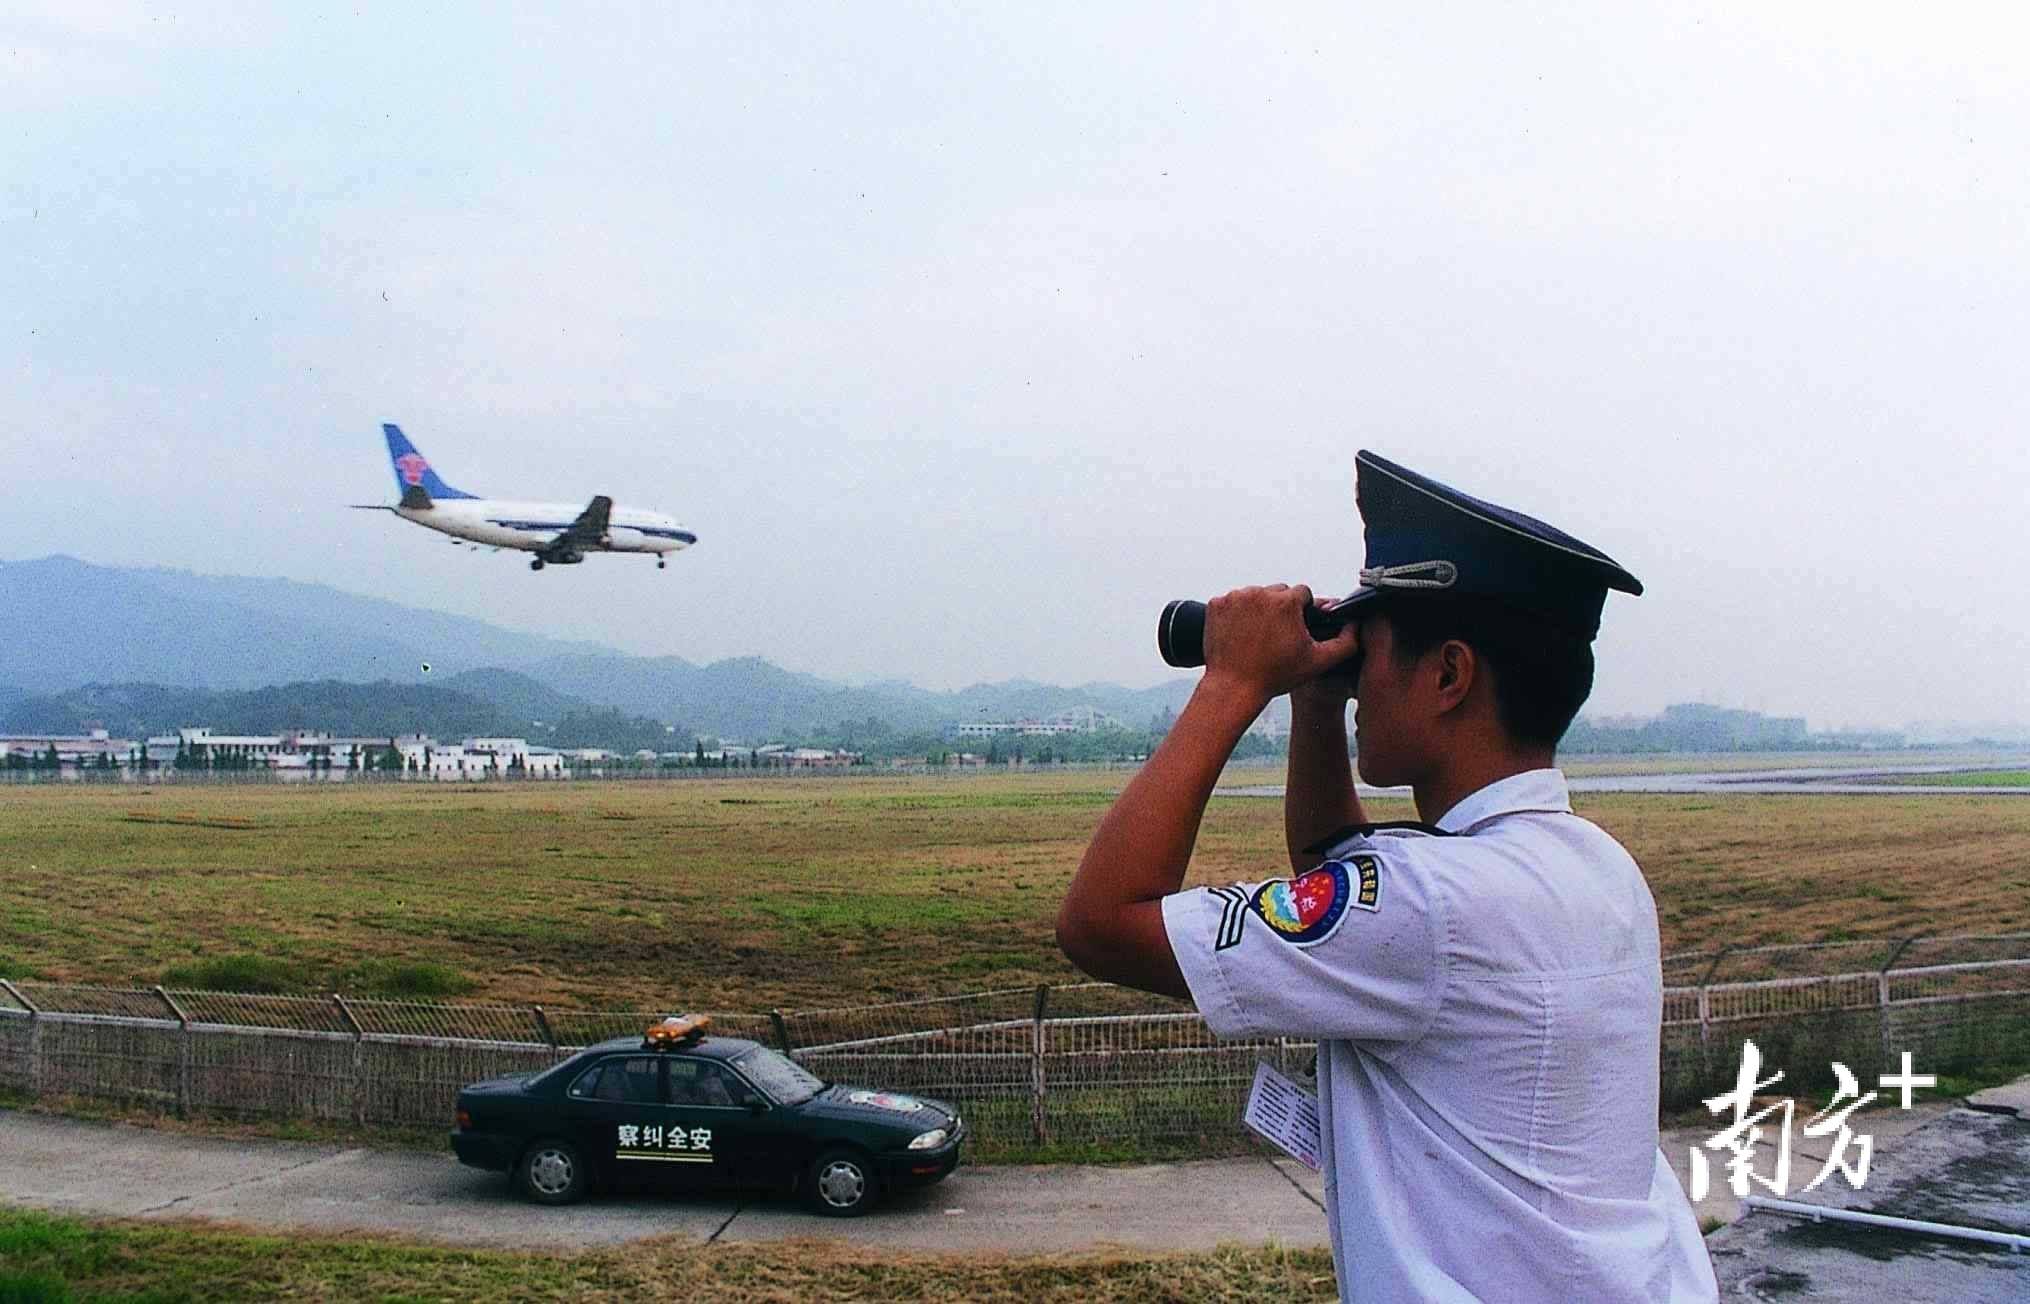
{"x":930,"y":1140}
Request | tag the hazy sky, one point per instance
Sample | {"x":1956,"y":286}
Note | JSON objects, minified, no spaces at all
{"x":965,"y":336}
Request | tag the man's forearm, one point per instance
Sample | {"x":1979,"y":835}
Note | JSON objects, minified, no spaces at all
{"x":1140,"y":852}
{"x":1318,"y":795}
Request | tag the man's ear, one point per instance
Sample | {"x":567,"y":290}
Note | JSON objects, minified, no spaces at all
{"x":1458,"y":667}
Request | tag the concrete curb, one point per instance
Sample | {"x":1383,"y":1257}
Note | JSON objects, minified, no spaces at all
{"x":2011,"y":1099}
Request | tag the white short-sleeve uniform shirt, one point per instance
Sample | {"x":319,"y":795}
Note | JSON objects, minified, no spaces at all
{"x":1487,"y":1000}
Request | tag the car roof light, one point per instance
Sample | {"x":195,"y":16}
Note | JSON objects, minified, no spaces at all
{"x":676,"y":1031}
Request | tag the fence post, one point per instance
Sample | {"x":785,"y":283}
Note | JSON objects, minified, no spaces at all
{"x":35,"y":1073}
{"x":1037,"y":1125}
{"x":1706,"y":1011}
{"x":182,"y":1051}
{"x":359,"y":1060}
{"x":543,"y":1023}
{"x":781,"y":1030}
{"x":1882,"y":994}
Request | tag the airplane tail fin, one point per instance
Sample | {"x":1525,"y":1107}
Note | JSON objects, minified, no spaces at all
{"x":419,"y":484}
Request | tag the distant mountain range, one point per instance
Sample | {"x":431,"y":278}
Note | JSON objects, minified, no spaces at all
{"x":75,"y":624}
{"x":381,"y":709}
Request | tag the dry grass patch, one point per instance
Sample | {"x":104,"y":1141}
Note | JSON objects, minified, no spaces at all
{"x":749,"y":893}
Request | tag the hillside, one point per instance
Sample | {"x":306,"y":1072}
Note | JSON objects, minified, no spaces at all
{"x":524,"y":698}
{"x":373,"y":710}
{"x":382,"y":709}
{"x":100,"y":625}
{"x":85,"y":624}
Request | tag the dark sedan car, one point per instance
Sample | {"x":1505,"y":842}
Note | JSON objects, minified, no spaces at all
{"x":680,"y":1108}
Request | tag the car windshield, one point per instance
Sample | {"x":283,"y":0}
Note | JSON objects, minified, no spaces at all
{"x":786,"y":1081}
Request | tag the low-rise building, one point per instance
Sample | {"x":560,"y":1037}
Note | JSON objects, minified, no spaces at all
{"x":95,"y":749}
{"x":514,"y":758}
{"x":810,"y":758}
{"x":229,"y":749}
{"x":199,"y":747}
{"x":1078,"y":720}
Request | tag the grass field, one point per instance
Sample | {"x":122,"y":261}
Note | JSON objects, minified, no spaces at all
{"x":747,"y":893}
{"x":46,"y":1259}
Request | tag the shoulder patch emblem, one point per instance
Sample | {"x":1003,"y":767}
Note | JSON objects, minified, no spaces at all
{"x":1305,"y":910}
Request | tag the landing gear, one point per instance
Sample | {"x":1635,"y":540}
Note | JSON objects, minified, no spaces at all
{"x":537,"y":564}
{"x":661,"y":564}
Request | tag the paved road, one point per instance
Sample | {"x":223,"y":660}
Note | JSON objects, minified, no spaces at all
{"x":1936,"y":1161}
{"x":123,"y":1171}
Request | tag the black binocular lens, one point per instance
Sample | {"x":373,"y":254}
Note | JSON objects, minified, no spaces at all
{"x":1180,"y":634}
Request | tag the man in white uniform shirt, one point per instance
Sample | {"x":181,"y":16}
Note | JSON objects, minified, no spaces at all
{"x":1484,"y":986}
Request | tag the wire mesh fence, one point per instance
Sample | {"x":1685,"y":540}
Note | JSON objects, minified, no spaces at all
{"x":1080,"y":1064}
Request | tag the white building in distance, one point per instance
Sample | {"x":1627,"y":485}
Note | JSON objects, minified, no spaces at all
{"x":1078,"y":720}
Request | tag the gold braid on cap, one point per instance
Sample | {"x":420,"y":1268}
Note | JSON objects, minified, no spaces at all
{"x":1411,"y":575}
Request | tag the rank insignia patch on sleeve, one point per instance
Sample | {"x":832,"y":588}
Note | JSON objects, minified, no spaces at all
{"x":1367,"y":871}
{"x":1233,"y":913}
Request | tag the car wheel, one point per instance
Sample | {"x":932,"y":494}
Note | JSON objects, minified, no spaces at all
{"x":552,"y":1172}
{"x":841,"y":1184}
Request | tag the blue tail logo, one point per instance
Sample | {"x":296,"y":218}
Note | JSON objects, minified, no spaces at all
{"x":412,"y":471}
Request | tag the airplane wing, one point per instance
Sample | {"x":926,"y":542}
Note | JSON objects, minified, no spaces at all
{"x":589,"y":528}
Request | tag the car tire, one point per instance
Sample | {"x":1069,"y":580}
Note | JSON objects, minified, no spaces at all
{"x":552,"y":1172}
{"x":841,"y":1183}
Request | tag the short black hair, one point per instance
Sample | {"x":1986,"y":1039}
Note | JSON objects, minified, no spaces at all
{"x":1542,"y":673}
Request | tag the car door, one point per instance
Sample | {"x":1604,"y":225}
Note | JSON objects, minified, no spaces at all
{"x":620,"y":1121}
{"x":718,"y":1114}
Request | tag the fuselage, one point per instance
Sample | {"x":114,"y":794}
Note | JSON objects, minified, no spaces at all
{"x":534,"y":527}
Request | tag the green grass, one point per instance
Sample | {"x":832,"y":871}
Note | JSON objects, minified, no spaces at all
{"x":1979,"y":1076}
{"x":51,"y":1259}
{"x":407,"y":980}
{"x":237,"y":973}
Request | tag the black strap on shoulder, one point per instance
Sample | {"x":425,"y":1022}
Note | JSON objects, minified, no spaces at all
{"x":1333,"y":839}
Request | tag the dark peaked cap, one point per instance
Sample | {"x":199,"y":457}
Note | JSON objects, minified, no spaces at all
{"x":1424,"y":537}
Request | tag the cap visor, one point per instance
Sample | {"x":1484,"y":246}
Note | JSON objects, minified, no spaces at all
{"x":1357,"y":598}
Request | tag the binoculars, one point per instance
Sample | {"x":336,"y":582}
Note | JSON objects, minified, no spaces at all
{"x":1180,"y":631}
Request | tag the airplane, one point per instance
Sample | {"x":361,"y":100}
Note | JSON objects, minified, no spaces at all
{"x":558,"y":533}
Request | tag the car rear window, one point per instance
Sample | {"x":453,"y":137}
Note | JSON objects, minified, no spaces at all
{"x":631,"y":1081}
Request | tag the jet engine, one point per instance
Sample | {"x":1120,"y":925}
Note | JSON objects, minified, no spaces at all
{"x":622,"y":539}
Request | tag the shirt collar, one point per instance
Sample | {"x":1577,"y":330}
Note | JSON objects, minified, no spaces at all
{"x":1531,"y":790}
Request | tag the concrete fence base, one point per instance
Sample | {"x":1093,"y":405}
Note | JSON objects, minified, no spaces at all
{"x":1023,"y":1073}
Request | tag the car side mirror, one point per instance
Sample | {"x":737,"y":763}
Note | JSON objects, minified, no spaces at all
{"x":757,"y":1107}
